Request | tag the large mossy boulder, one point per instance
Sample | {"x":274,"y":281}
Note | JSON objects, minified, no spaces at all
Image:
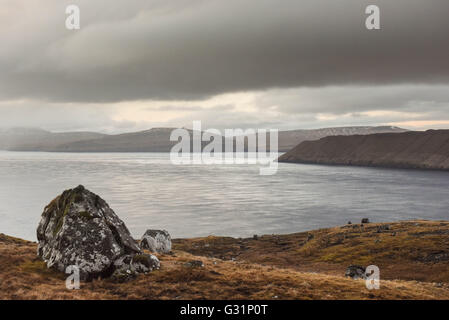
{"x":79,"y":228}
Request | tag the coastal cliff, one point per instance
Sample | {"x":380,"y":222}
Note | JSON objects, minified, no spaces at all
{"x":410,"y":150}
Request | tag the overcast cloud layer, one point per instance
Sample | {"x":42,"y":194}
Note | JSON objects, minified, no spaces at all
{"x":290,"y":64}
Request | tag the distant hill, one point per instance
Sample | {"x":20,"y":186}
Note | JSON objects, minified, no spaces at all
{"x":153,"y":140}
{"x":32,"y":139}
{"x":423,"y":150}
{"x":290,"y":139}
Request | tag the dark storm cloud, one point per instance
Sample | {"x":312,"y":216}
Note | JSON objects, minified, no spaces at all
{"x":173,"y":50}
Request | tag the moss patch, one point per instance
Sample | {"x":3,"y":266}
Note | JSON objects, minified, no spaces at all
{"x":86,"y":215}
{"x":63,"y":204}
{"x":39,"y":267}
{"x":143,"y":259}
{"x":140,"y":258}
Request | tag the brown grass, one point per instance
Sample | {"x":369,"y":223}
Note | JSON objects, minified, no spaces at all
{"x":406,"y":251}
{"x":297,"y":266}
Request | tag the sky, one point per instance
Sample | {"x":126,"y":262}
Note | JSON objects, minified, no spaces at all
{"x":284,"y":64}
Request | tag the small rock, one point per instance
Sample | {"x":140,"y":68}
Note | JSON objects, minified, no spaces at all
{"x":122,"y":276}
{"x":365,"y":220}
{"x":144,"y":263}
{"x":123,"y":271}
{"x":156,"y":241}
{"x":436,"y":257}
{"x":194,"y":264}
{"x":215,"y":273}
{"x":355,"y":272}
{"x":383,"y":227}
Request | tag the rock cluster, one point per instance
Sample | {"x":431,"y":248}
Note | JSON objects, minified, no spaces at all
{"x":78,"y":228}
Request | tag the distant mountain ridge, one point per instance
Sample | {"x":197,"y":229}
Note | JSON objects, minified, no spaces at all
{"x":289,"y":139}
{"x":35,"y":139}
{"x":411,"y":150}
{"x":152,"y":140}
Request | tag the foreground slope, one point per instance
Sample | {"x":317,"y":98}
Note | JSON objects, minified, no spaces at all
{"x":413,"y":150}
{"x":413,"y":258}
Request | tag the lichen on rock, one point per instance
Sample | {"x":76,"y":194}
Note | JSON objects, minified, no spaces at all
{"x":156,"y":241}
{"x":355,"y":272}
{"x":79,"y":228}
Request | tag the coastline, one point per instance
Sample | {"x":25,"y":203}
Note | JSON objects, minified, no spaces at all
{"x":392,"y":166}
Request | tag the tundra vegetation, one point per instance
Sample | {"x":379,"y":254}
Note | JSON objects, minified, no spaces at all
{"x":413,"y":257}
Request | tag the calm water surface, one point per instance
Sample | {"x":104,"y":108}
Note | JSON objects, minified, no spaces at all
{"x":147,"y":191}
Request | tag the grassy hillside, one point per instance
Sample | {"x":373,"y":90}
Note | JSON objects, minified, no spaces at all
{"x":413,"y":258}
